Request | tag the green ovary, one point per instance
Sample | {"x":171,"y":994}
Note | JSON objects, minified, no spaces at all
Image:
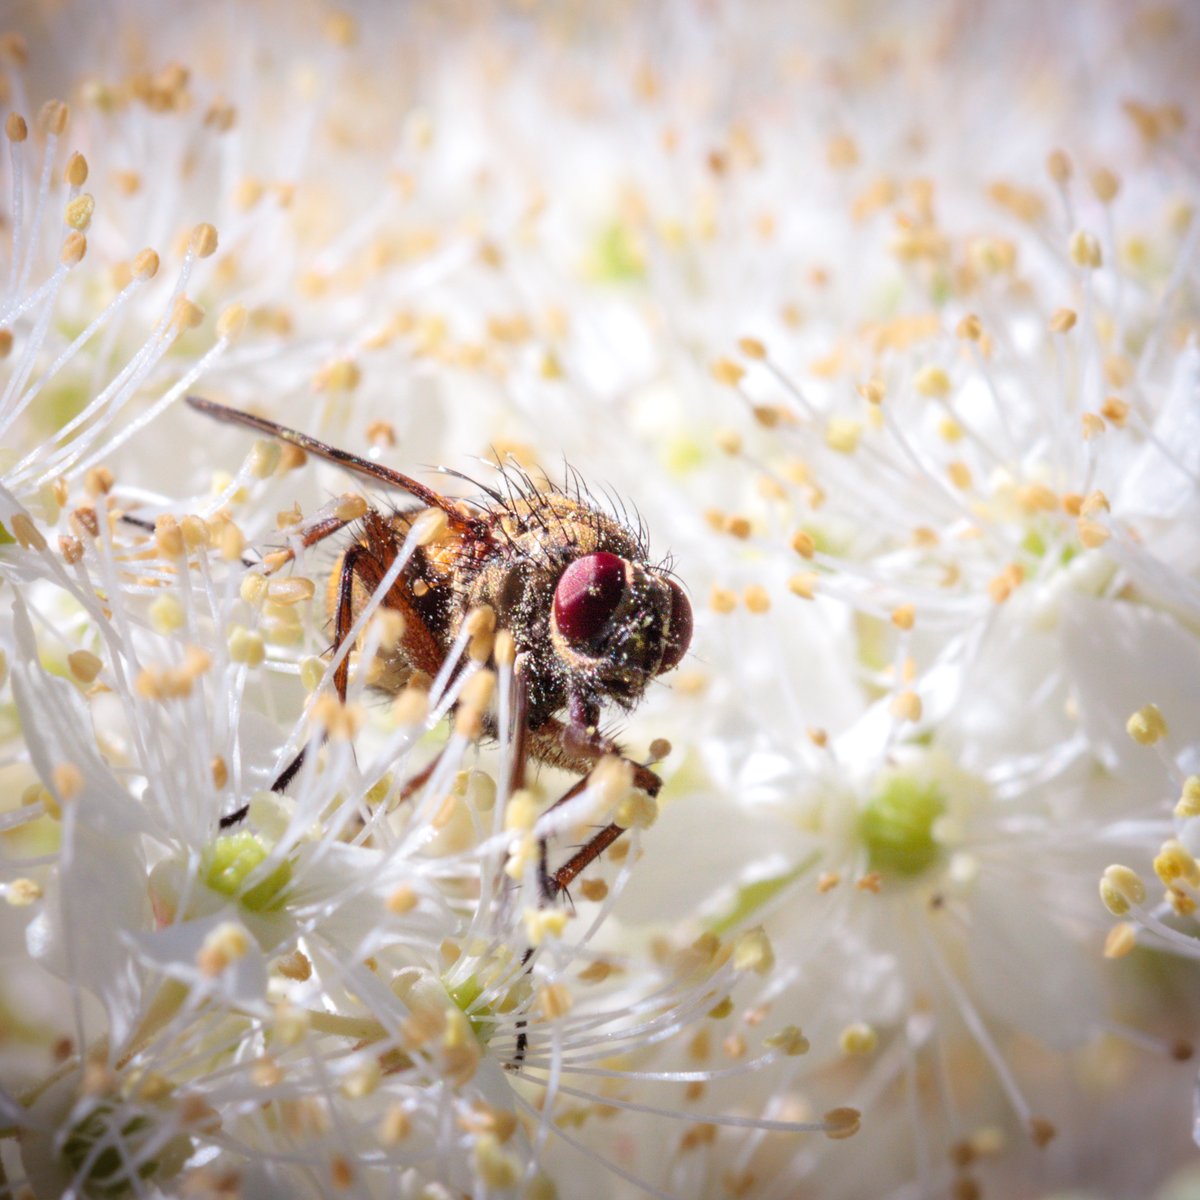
{"x":228,"y":862}
{"x":480,"y":1018}
{"x":110,"y":1172}
{"x":897,"y":826}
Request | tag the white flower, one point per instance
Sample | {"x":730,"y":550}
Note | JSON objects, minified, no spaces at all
{"x":908,"y":392}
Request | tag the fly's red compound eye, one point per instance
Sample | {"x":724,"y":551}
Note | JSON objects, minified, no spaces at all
{"x":679,"y":628}
{"x":588,"y":594}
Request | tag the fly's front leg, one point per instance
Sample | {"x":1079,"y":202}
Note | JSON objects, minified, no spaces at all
{"x":359,"y":566}
{"x":357,"y":561}
{"x":579,"y":746}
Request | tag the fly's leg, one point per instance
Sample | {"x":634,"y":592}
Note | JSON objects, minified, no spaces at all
{"x":579,"y":747}
{"x":359,"y":565}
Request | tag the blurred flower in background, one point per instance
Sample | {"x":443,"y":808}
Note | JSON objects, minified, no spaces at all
{"x":884,"y":318}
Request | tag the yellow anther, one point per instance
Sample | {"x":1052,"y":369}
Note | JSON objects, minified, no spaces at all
{"x":223,"y":946}
{"x":858,"y":1038}
{"x":520,"y":812}
{"x":1115,"y":411}
{"x":20,"y":893}
{"x":362,"y":1081}
{"x":264,"y":458}
{"x":477,"y":693}
{"x":296,"y":966}
{"x":402,"y":900}
{"x":803,"y":543}
{"x":246,"y":646}
{"x":789,"y":1040}
{"x":26,"y":532}
{"x":14,"y":49}
{"x":411,"y":706}
{"x":1121,"y":887}
{"x":54,"y":116}
{"x":593,"y":889}
{"x":636,"y":811}
{"x":843,"y":434}
{"x":727,"y":372}
{"x":186,"y":315}
{"x":15,"y":127}
{"x":1174,"y":864}
{"x":495,"y":1167}
{"x":1091,"y":533}
{"x":803,"y":584}
{"x":350,"y":507}
{"x":842,"y":1123}
{"x":84,"y":665}
{"x":970,"y":328}
{"x":394,"y":1126}
{"x":728,"y":441}
{"x":1041,"y":1131}
{"x":341,"y":1173}
{"x":1037,"y":497}
{"x":752,"y":952}
{"x":1189,"y":800}
{"x":1001,"y":586}
{"x":340,"y":721}
{"x":1091,"y":426}
{"x":231,"y":322}
{"x":1147,"y":725}
{"x":166,"y":615}
{"x":145,"y":265}
{"x":79,"y":212}
{"x":74,"y":247}
{"x":541,"y":923}
{"x":1105,"y":185}
{"x":841,"y":152}
{"x":1084,"y":250}
{"x":960,"y":474}
{"x":757,"y":599}
{"x":904,"y":616}
{"x":1120,"y":940}
{"x":296,"y":590}
{"x":429,"y":527}
{"x":1058,"y":167}
{"x":752,"y":348}
{"x":554,"y":1000}
{"x":341,"y":28}
{"x":722,"y":600}
{"x":71,"y":549}
{"x":203,"y":241}
{"x":1062,"y":320}
{"x":932,"y":381}
{"x":67,"y":780}
{"x":341,"y":375}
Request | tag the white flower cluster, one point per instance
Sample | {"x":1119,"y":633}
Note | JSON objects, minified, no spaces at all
{"x":884,"y":319}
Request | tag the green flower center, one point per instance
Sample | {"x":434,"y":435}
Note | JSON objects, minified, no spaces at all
{"x":108,"y":1171}
{"x":228,"y":862}
{"x":897,"y":826}
{"x":481,"y":1020}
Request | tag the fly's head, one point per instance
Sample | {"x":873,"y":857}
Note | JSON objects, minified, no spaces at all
{"x":618,"y":623}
